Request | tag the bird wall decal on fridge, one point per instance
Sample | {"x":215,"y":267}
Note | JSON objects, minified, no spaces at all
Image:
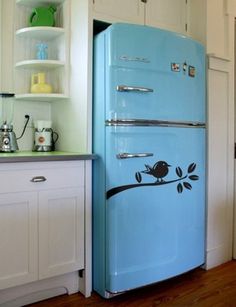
{"x":160,"y":170}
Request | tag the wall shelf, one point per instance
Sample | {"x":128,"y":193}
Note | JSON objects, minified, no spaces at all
{"x":48,"y":64}
{"x":40,"y":33}
{"x":32,"y":3}
{"x":26,"y":57}
{"x":41,"y":97}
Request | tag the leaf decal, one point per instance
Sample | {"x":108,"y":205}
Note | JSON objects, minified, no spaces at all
{"x":179,"y":188}
{"x":187,"y":185}
{"x":138,"y":177}
{"x":191,"y":167}
{"x":193,"y":177}
{"x":179,"y":171}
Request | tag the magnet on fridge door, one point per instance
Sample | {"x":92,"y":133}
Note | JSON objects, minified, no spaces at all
{"x":191,"y":71}
{"x":175,"y":67}
{"x":185,"y":65}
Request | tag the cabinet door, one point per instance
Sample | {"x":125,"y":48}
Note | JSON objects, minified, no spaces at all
{"x":122,"y":10}
{"x":167,"y":14}
{"x":61,"y":231}
{"x":18,"y":239}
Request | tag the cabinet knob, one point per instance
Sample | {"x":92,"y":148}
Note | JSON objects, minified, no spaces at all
{"x":38,"y":179}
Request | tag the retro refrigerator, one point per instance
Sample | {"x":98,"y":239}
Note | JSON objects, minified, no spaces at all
{"x":149,"y":178}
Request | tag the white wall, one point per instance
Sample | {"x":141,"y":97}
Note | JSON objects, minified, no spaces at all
{"x":220,"y":46}
{"x":72,"y":117}
{"x":220,"y":162}
{"x":1,"y":12}
{"x":36,"y":110}
{"x":7,"y":45}
{"x":212,"y":22}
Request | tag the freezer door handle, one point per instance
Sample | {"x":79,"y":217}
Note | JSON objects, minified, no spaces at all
{"x":127,"y":88}
{"x":126,"y":155}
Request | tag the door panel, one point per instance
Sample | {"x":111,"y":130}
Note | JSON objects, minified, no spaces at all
{"x":176,"y":94}
{"x":167,"y":14}
{"x":18,"y":239}
{"x":155,"y":216}
{"x":131,"y":11}
{"x":61,"y":231}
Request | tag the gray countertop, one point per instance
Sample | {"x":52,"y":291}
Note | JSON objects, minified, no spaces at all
{"x":31,"y":156}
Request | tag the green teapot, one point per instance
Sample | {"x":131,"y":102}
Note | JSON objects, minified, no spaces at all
{"x":42,"y":16}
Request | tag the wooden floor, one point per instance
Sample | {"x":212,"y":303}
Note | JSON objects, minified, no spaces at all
{"x":214,"y":288}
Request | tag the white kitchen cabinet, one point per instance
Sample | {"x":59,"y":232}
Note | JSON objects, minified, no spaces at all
{"x":18,"y":238}
{"x":56,"y":65}
{"x":122,"y":10}
{"x":167,"y":14}
{"x":61,"y":235}
{"x":41,"y":221}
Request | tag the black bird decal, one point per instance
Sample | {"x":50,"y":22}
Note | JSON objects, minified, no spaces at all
{"x":159,"y":170}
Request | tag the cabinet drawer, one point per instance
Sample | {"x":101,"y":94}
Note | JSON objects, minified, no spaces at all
{"x":41,"y":176}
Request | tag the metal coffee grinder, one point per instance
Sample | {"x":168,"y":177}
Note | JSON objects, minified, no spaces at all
{"x":8,"y":142}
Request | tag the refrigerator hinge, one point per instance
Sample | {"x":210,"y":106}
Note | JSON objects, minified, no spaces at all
{"x":144,"y":1}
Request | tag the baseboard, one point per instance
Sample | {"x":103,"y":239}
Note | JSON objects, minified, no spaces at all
{"x":39,"y":290}
{"x":216,"y":256}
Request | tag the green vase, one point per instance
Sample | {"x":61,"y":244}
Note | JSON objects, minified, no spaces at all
{"x":42,"y":16}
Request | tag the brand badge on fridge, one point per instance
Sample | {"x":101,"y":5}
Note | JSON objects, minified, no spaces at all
{"x":135,"y":59}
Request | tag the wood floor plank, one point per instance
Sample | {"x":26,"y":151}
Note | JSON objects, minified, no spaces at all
{"x":213,"y":288}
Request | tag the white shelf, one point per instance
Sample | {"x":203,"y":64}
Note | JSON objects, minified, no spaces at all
{"x":56,"y":66}
{"x":32,"y":3}
{"x":49,"y":64}
{"x":40,"y":33}
{"x":41,"y":97}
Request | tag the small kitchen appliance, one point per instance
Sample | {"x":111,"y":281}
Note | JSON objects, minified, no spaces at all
{"x":44,"y":136}
{"x":8,"y":142}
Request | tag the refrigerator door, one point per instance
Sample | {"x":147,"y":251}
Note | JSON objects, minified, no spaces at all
{"x":155,"y":212}
{"x":152,"y":74}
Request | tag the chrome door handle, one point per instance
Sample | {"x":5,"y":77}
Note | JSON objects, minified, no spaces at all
{"x":38,"y":179}
{"x":126,"y":155}
{"x":127,"y":88}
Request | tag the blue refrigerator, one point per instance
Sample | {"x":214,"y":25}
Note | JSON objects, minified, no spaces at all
{"x":149,"y":178}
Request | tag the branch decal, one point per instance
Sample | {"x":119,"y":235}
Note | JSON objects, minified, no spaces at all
{"x":160,"y":170}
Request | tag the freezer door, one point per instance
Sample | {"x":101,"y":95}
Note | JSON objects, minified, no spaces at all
{"x":152,"y":74}
{"x":155,"y":207}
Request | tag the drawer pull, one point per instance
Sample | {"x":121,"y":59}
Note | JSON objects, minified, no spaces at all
{"x":38,"y":179}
